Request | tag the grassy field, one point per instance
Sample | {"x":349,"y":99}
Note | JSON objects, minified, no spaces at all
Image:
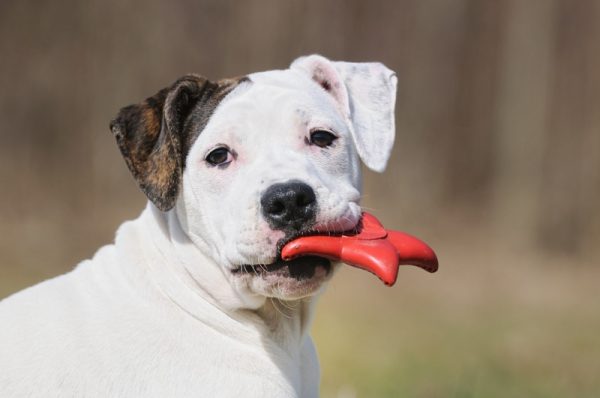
{"x":483,"y":326}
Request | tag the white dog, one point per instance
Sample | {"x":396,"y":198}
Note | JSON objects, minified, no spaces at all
{"x":193,"y":298}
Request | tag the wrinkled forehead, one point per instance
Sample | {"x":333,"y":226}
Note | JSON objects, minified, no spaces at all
{"x":275,"y":99}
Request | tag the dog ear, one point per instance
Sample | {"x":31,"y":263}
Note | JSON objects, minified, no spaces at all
{"x":366,"y":94}
{"x":155,"y":136}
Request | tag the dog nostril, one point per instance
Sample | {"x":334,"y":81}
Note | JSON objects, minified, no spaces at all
{"x":277,"y":207}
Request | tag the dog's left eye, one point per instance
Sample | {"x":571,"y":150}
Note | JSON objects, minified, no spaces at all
{"x":219,"y":156}
{"x":322,"y":138}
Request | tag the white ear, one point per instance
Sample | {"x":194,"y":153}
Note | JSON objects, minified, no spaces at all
{"x":366,"y":94}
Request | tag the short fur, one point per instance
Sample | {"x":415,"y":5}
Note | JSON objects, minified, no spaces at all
{"x":192,"y":298}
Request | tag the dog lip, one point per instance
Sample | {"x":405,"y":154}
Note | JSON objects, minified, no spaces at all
{"x":302,"y":268}
{"x":259,"y":268}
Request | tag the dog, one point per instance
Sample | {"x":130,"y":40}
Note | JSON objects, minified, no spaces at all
{"x":193,"y":299}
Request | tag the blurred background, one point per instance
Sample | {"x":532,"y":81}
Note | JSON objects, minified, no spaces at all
{"x":496,"y":165}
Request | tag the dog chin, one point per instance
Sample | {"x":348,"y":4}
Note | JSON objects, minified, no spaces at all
{"x":287,"y":280}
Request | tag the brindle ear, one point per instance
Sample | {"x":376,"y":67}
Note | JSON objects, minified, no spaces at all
{"x":156,"y":135}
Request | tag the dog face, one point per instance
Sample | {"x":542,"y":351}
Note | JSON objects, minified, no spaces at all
{"x":249,"y":164}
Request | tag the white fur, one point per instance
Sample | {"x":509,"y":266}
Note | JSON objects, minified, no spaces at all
{"x":366,"y":93}
{"x":159,"y":313}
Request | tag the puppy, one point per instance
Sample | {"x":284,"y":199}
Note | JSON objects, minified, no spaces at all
{"x":193,"y":299}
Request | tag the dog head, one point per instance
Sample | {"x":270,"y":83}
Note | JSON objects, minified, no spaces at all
{"x":248,"y":164}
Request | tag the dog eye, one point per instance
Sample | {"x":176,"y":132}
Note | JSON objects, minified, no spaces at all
{"x":219,"y":156}
{"x":322,"y":138}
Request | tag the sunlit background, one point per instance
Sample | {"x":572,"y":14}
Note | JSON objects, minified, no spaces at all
{"x":496,"y":165}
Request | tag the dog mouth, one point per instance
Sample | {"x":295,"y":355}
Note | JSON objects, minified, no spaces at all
{"x":301,"y":268}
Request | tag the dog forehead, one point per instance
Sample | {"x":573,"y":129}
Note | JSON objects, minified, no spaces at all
{"x":287,"y":78}
{"x":269,"y":99}
{"x":283,"y":88}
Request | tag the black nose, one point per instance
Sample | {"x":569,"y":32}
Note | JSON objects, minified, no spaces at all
{"x":289,"y":205}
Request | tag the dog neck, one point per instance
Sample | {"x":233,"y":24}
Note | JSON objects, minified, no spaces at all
{"x":197,"y":284}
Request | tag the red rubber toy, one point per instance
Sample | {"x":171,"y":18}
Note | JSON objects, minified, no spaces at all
{"x":373,"y":249}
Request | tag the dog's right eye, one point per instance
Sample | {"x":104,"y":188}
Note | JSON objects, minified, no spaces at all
{"x":218,"y":157}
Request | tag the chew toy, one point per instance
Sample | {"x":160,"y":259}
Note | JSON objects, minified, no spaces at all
{"x":373,"y":248}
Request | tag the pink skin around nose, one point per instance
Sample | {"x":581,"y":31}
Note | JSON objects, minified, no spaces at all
{"x":373,"y":249}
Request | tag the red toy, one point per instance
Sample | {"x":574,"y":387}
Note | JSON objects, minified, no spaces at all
{"x":373,"y":249}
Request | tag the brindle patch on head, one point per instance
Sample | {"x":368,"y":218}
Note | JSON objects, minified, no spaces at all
{"x":155,"y":136}
{"x":198,"y":118}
